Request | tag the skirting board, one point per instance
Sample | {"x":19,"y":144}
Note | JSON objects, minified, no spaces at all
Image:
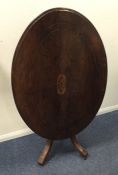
{"x":107,"y":109}
{"x":15,"y":134}
{"x":27,"y":131}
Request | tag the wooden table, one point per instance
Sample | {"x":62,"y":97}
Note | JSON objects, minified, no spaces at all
{"x":59,"y":76}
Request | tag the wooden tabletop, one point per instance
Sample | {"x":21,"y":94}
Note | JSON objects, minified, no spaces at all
{"x":59,"y":73}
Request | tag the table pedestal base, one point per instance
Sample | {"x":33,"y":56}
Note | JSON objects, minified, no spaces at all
{"x":83,"y":152}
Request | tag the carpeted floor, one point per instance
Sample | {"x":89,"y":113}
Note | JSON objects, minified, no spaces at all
{"x":18,"y":156}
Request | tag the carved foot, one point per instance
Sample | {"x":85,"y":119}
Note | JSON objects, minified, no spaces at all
{"x":83,"y":152}
{"x":45,"y":152}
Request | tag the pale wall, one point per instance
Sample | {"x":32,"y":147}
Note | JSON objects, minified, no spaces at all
{"x":15,"y":15}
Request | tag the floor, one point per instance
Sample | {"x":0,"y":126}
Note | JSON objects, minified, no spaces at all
{"x":19,"y":156}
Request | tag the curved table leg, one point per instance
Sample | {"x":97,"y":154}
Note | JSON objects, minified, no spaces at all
{"x":83,"y":152}
{"x":45,"y":152}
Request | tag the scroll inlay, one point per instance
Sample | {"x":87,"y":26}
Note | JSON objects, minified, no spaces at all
{"x":61,"y":84}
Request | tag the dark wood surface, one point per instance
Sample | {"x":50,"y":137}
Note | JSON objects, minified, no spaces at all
{"x":59,"y":73}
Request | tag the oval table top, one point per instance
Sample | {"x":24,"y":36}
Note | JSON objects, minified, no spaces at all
{"x":59,"y":73}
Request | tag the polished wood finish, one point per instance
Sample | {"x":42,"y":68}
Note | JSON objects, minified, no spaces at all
{"x":42,"y":158}
{"x":59,"y":74}
{"x":45,"y":152}
{"x":83,"y":152}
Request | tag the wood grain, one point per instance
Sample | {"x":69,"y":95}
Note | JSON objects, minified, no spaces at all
{"x":59,"y":42}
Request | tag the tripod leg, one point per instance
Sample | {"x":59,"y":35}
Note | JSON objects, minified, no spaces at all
{"x":83,"y":152}
{"x":45,"y":152}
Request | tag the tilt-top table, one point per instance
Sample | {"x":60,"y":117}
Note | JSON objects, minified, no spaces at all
{"x":59,"y":76}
